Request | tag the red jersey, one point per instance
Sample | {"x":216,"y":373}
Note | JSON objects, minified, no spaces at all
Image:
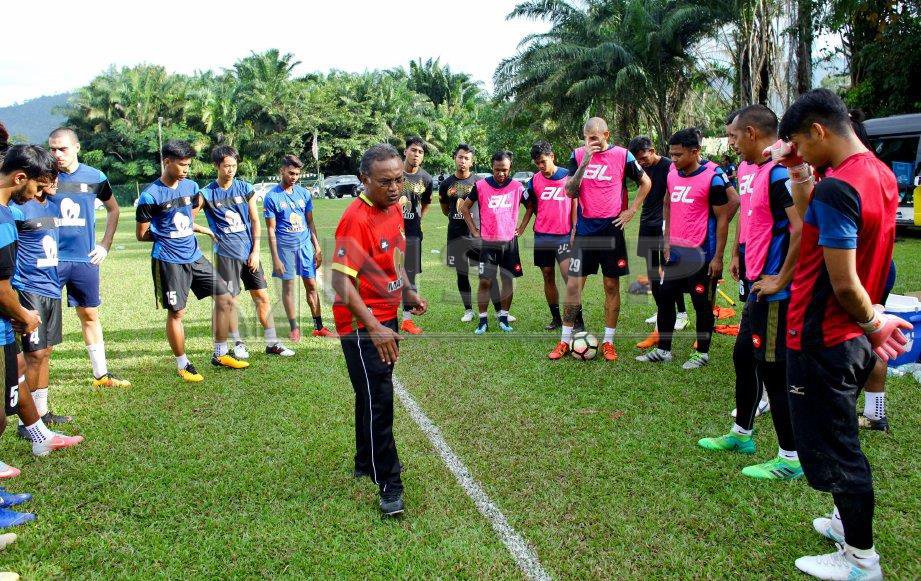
{"x":370,"y":245}
{"x":852,"y":207}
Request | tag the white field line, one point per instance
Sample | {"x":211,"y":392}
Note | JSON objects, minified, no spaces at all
{"x":516,"y":544}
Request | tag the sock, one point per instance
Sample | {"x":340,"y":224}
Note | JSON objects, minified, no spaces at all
{"x":293,"y":323}
{"x":220,"y":348}
{"x":318,"y":323}
{"x":608,"y":335}
{"x":98,"y":359}
{"x":503,"y":316}
{"x":874,"y":405}
{"x":555,"y":312}
{"x":484,"y":319}
{"x":39,"y":432}
{"x":740,"y":431}
{"x":566,"y":335}
{"x":182,"y":361}
{"x":407,"y":316}
{"x":870,"y":553}
{"x":271,"y":338}
{"x":40,"y":397}
{"x":788,"y":454}
{"x":235,"y":335}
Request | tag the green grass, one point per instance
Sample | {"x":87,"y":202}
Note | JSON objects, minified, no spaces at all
{"x":248,"y":474}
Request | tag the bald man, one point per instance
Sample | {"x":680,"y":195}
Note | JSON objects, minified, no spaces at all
{"x":599,"y":173}
{"x":79,"y":256}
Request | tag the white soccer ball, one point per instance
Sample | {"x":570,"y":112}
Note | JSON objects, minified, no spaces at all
{"x":584,"y":346}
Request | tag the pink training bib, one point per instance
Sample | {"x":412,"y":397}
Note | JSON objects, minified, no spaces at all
{"x":760,"y":223}
{"x":554,"y":207}
{"x":746,"y":174}
{"x":602,"y":193}
{"x":499,"y":210}
{"x":689,"y":206}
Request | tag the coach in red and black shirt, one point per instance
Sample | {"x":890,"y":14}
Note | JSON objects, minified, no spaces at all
{"x":833,"y":328}
{"x":369,"y":278}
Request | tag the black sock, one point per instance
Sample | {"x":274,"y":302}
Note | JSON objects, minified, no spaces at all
{"x":579,"y":322}
{"x":318,"y":322}
{"x":555,"y":312}
{"x":293,"y":323}
{"x":463,"y":286}
{"x":857,"y":517}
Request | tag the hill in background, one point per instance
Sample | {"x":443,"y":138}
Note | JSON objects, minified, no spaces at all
{"x":34,"y":119}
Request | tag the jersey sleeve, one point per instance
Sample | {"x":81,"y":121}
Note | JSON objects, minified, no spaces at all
{"x":632,"y":169}
{"x":779,"y":192}
{"x":352,"y":238}
{"x":427,"y":194}
{"x":308,"y":204}
{"x":147,"y":208}
{"x":472,"y":195}
{"x":248,"y":191}
{"x":268,"y":207}
{"x":104,"y":193}
{"x":443,"y":192}
{"x":7,"y":250}
{"x":718,"y":190}
{"x":835,"y":211}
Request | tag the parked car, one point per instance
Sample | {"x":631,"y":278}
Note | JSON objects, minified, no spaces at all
{"x":897,"y":141}
{"x":523,"y":177}
{"x":339,"y":186}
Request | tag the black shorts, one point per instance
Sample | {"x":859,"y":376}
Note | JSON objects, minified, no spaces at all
{"x":499,"y":257}
{"x":550,"y":249}
{"x":823,"y":408}
{"x":233,"y":271}
{"x":413,"y":258}
{"x":172,"y":282}
{"x":607,"y":249}
{"x":688,"y":270}
{"x":745,"y":286}
{"x":461,"y":253}
{"x":765,"y":325}
{"x":10,"y":375}
{"x":649,"y":241}
{"x":48,"y":333}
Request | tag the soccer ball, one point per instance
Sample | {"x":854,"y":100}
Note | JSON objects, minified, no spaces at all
{"x":584,"y":346}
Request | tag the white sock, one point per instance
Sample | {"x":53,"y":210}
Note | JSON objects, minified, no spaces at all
{"x":271,"y":338}
{"x":235,"y":335}
{"x":182,"y":361}
{"x":484,"y":316}
{"x":40,"y":397}
{"x":787,"y":454}
{"x":503,"y":313}
{"x":407,"y":316}
{"x":98,"y":359}
{"x":566,"y":335}
{"x":737,"y":429}
{"x":39,"y":432}
{"x":220,"y":348}
{"x":683,"y":315}
{"x":608,"y":335}
{"x":862,"y":553}
{"x":874,"y":405}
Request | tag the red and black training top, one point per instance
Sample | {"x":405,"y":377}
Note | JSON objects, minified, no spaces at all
{"x":370,"y":246}
{"x":852,"y":207}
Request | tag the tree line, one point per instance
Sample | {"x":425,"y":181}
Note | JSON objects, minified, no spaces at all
{"x":648,"y":66}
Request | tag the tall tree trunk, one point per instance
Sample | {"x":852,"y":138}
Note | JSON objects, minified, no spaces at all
{"x":804,"y":35}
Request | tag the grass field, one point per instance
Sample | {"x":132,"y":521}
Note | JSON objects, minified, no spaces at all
{"x":595,"y":464}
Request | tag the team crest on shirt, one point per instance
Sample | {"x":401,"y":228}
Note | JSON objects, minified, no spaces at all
{"x":756,"y":341}
{"x":341,"y":252}
{"x":84,"y":188}
{"x":621,"y":263}
{"x":384,"y":244}
{"x":699,"y":289}
{"x":284,"y":205}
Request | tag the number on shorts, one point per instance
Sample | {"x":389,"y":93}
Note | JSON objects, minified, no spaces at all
{"x":171,"y":298}
{"x":481,"y":268}
{"x":14,"y":395}
{"x":575,"y":264}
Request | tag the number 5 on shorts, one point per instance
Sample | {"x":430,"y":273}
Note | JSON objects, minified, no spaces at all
{"x":171,"y":298}
{"x":14,"y":396}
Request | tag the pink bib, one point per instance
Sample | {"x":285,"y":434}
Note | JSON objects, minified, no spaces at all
{"x":689,"y":206}
{"x":499,"y":210}
{"x":602,"y":193}
{"x":554,"y":207}
{"x":760,"y":223}
{"x":745,"y":174}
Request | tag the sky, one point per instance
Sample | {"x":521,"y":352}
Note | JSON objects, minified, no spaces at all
{"x":72,"y":42}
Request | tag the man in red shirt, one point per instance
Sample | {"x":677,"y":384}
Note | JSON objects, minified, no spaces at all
{"x":369,"y":278}
{"x":833,"y":327}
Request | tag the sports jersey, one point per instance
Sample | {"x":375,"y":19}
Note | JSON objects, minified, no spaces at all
{"x":769,"y":227}
{"x":8,"y":243}
{"x":603,"y":190}
{"x":75,"y":205}
{"x":370,"y":246}
{"x":552,"y":207}
{"x":499,"y":205}
{"x":228,"y":216}
{"x":417,"y":187}
{"x":451,"y":190}
{"x":691,"y":222}
{"x":651,"y":218}
{"x":37,"y":258}
{"x":746,"y":175}
{"x":289,"y":209}
{"x":169,"y":212}
{"x":852,"y":207}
